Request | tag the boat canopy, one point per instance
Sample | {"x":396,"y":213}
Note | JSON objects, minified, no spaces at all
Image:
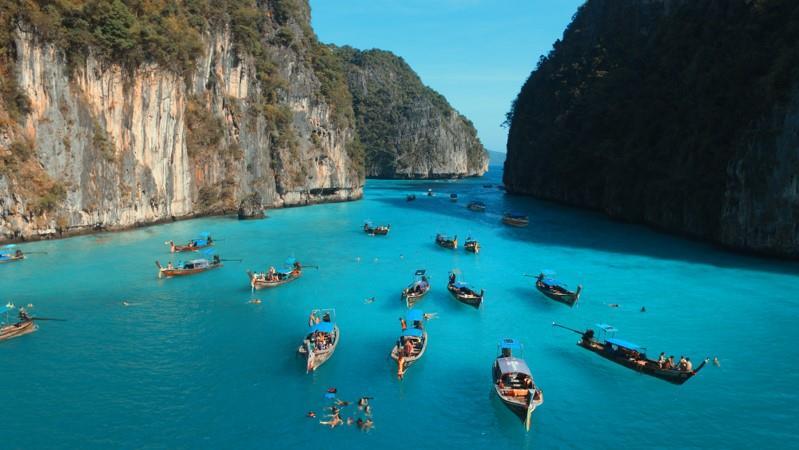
{"x":208,"y":252}
{"x":554,"y":282}
{"x":200,"y":242}
{"x":461,"y":284}
{"x":5,"y":308}
{"x":323,"y":327}
{"x":289,"y":262}
{"x":9,"y":246}
{"x":513,"y":365}
{"x":414,"y":315}
{"x":624,"y":344}
{"x":204,"y":235}
{"x":509,"y":344}
{"x":420,"y":272}
{"x":606,"y":328}
{"x":415,"y":332}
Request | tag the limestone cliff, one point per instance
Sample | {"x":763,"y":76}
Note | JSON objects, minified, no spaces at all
{"x":680,"y":114}
{"x":92,"y":142}
{"x":408,"y":130}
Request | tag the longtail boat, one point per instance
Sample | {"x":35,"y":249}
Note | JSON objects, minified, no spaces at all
{"x":513,"y":382}
{"x":9,"y":254}
{"x":471,"y":245}
{"x":515,"y":219}
{"x":204,"y":240}
{"x":453,"y":197}
{"x":379,"y":230}
{"x":447,"y":241}
{"x":476,"y":206}
{"x":189,"y":267}
{"x":464,"y":293}
{"x":556,"y":290}
{"x":418,"y":288}
{"x":24,"y":326}
{"x":412,"y":342}
{"x":292,"y":269}
{"x":633,"y":356}
{"x":321,"y":339}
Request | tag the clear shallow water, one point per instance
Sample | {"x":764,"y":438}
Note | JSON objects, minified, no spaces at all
{"x":190,"y":364}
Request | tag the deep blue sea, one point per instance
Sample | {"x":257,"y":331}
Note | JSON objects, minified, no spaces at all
{"x":190,"y":363}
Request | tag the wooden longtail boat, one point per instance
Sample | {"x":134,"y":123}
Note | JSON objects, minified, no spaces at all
{"x":446,"y":241}
{"x":515,"y":219}
{"x":631,"y":356}
{"x":416,"y":290}
{"x":463,"y":293}
{"x":513,"y":382}
{"x":24,"y":326}
{"x":476,"y":206}
{"x":292,"y":269}
{"x":453,"y":197}
{"x":189,"y":267}
{"x":11,"y":257}
{"x":203,"y":241}
{"x":380,"y":230}
{"x":556,"y":290}
{"x":411,"y":344}
{"x":471,"y":245}
{"x":321,"y":339}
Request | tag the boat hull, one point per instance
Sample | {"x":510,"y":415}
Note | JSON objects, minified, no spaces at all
{"x":170,"y":273}
{"x":674,"y":376}
{"x":12,"y":259}
{"x":189,"y":248}
{"x":18,"y":329}
{"x":260,"y":283}
{"x":472,"y":300}
{"x":519,"y":223}
{"x":566,"y":298}
{"x":315,"y":359}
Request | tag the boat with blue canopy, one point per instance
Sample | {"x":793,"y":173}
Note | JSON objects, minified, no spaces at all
{"x":412,"y":343}
{"x":463,"y":292}
{"x":291,"y":270}
{"x":515,"y":219}
{"x":10,"y":253}
{"x":557,"y":290}
{"x":24,"y":325}
{"x":211,"y":261}
{"x":633,"y":356}
{"x":202,"y":241}
{"x":418,"y":288}
{"x":513,"y":381}
{"x":321,"y":339}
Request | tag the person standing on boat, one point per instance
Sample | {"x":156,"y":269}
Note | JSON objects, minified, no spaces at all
{"x":669,"y":363}
{"x":588,"y":336}
{"x":688,"y":365}
{"x":662,"y":359}
{"x":408,"y":347}
{"x":170,"y":266}
{"x":452,"y":278}
{"x":23,"y":315}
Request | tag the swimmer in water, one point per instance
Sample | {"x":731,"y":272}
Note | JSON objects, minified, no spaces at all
{"x":613,"y":305}
{"x":430,"y":316}
{"x":643,"y":309}
{"x":255,"y":301}
{"x":311,"y":415}
{"x":369,"y":300}
{"x":716,"y":361}
{"x":363,"y":402}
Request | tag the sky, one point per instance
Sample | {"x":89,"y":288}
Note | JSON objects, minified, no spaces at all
{"x":477,"y":53}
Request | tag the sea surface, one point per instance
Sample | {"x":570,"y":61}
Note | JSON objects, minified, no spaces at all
{"x":190,"y":363}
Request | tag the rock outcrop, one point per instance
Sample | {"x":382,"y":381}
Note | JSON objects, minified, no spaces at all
{"x":408,"y":130}
{"x":99,"y":144}
{"x":679,"y":114}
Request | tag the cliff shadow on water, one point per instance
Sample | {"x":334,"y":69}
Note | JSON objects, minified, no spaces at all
{"x":555,"y":225}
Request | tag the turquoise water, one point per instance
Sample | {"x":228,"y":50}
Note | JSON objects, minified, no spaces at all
{"x":191,"y":364}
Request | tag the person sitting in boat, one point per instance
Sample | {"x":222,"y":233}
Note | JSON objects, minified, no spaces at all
{"x":297,"y":267}
{"x":681,"y":364}
{"x":326,"y":317}
{"x":688,"y":367}
{"x":423,"y":284}
{"x":169,"y":266}
{"x":270,"y":274}
{"x":217,"y":260}
{"x":23,"y":315}
{"x":506,"y":352}
{"x":18,"y":254}
{"x":669,"y":364}
{"x":452,"y":278}
{"x":209,"y":241}
{"x":662,"y":359}
{"x":588,"y":336}
{"x":366,"y":227}
{"x":418,"y":324}
{"x":408,"y":347}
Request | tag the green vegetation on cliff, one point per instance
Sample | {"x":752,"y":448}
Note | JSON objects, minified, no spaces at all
{"x":642,"y":106}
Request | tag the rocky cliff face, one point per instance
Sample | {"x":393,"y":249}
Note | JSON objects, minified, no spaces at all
{"x":407,"y":129}
{"x":99,"y":144}
{"x":682,"y":115}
